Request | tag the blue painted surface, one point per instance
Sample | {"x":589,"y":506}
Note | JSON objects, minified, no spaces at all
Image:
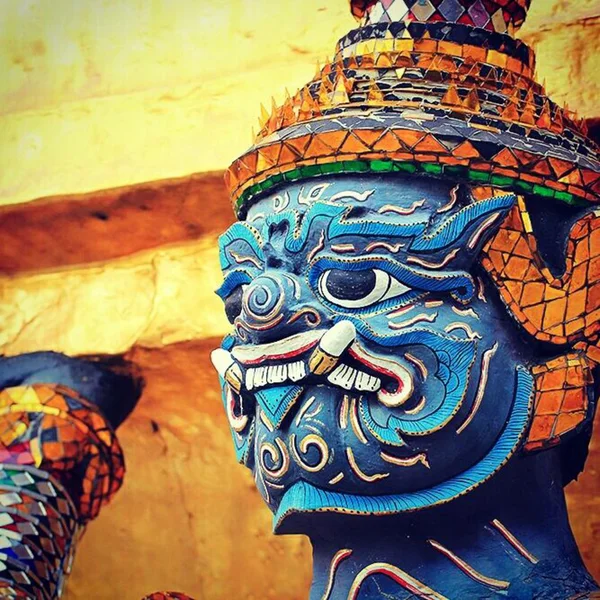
{"x":305,"y":498}
{"x":398,"y":258}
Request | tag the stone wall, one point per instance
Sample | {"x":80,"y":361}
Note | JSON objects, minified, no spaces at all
{"x":140,"y":95}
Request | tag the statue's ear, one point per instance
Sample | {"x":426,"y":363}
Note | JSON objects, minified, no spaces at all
{"x":561,"y":309}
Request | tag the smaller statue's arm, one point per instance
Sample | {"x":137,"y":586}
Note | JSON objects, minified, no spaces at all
{"x":60,"y":462}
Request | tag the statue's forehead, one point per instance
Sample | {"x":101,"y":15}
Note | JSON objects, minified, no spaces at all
{"x":422,"y":213}
{"x":371,"y":191}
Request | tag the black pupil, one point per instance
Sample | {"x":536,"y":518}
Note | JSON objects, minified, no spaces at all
{"x":233,"y":303}
{"x":350,"y":285}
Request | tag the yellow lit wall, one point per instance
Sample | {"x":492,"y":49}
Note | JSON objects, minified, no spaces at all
{"x":100,"y":94}
{"x":97,"y":94}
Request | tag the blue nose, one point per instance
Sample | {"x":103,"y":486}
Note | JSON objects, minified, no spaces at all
{"x":263,"y":298}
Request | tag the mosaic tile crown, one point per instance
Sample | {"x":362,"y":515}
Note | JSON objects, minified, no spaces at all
{"x":503,"y":16}
{"x":430,"y":87}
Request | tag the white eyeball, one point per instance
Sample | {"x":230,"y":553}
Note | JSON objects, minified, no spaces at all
{"x":359,"y":289}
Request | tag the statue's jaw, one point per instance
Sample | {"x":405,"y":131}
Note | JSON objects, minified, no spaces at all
{"x":274,"y":375}
{"x":303,"y":497}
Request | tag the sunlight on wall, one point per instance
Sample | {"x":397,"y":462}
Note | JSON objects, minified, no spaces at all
{"x":100,"y":94}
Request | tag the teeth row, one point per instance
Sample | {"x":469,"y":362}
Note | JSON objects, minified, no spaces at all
{"x":344,"y":376}
{"x":347,"y":378}
{"x":261,"y":376}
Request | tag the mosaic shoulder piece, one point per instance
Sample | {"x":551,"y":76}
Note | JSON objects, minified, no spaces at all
{"x":60,"y":462}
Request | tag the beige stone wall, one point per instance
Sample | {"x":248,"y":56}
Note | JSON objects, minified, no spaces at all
{"x":102,"y":94}
{"x":152,"y":299}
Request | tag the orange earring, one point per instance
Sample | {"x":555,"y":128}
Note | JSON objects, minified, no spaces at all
{"x":563,"y":310}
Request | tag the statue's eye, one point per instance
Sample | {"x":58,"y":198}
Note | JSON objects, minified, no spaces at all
{"x":358,"y":289}
{"x":233,"y":303}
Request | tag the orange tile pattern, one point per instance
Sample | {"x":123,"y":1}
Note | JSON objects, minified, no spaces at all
{"x":60,"y":462}
{"x":407,"y":151}
{"x":557,"y":310}
{"x":54,"y":429}
{"x":561,"y":399}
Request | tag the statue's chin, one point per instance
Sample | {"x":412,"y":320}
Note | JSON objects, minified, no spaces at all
{"x":310,"y":493}
{"x":335,"y":441}
{"x":342,"y":441}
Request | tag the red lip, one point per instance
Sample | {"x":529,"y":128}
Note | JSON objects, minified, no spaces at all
{"x":378,"y":369}
{"x":255,"y":355}
{"x":397,"y":373}
{"x":281,"y":356}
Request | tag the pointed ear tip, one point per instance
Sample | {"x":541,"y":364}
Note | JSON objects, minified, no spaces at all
{"x":510,"y":199}
{"x":502,"y":201}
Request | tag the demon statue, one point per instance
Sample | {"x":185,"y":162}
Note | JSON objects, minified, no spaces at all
{"x":413,"y":289}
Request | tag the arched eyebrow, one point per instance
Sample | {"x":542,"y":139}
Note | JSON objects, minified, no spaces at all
{"x":232,"y":280}
{"x":460,"y":224}
{"x":245,"y":233}
{"x":338,"y":221}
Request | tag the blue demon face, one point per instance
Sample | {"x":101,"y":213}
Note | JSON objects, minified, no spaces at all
{"x":371,"y":370}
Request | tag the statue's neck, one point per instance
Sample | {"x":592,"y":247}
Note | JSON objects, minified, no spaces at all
{"x":511,"y":536}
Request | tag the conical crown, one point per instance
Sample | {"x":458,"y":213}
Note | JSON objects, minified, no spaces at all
{"x":500,"y":16}
{"x":431,"y":87}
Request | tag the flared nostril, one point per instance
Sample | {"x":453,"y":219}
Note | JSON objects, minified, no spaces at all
{"x":263,"y":299}
{"x":276,"y":305}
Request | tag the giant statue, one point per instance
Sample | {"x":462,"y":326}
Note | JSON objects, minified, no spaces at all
{"x":413,"y":287}
{"x":414,"y":295}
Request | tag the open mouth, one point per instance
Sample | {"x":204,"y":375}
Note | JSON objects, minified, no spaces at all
{"x":332,"y":357}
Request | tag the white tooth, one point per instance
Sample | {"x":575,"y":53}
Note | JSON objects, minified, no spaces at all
{"x":263,"y":376}
{"x":276,"y":374}
{"x":271,"y":374}
{"x":343,"y":376}
{"x":302,"y":369}
{"x":339,"y":369}
{"x":250,"y":378}
{"x":362,"y":380}
{"x":373,"y":384}
{"x":227,"y":368}
{"x":221,"y":360}
{"x":282,"y":374}
{"x":342,"y":372}
{"x":334,"y":376}
{"x":337,"y":339}
{"x":292,"y":371}
{"x":296,"y":371}
{"x":348,"y":377}
{"x":260,"y":378}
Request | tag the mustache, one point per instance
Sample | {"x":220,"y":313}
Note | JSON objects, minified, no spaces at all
{"x":329,"y":356}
